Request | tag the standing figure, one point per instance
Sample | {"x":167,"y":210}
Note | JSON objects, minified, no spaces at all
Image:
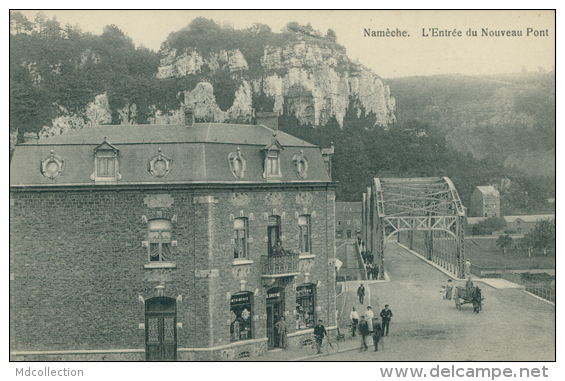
{"x":354,"y":317}
{"x":364,"y":332}
{"x":319,"y":333}
{"x":469,"y":283}
{"x":370,"y":315}
{"x":361,"y":293}
{"x":377,"y":333}
{"x":386,"y":314}
{"x":448,"y":290}
{"x":467,"y":267}
{"x":282,"y":329}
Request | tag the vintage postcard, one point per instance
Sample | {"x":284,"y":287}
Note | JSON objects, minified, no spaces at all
{"x":283,"y":185}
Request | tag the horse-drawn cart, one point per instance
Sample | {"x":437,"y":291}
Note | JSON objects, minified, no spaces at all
{"x":464,"y":295}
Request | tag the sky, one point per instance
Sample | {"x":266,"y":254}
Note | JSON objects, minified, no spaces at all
{"x":413,"y":54}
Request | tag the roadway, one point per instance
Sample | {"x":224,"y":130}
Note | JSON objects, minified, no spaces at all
{"x":513,"y":325}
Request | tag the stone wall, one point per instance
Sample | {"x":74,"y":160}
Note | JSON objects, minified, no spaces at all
{"x":78,"y":267}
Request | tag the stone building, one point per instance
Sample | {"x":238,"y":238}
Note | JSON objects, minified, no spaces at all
{"x":171,"y":242}
{"x":485,"y":202}
{"x":526,"y":223}
{"x":348,"y":220}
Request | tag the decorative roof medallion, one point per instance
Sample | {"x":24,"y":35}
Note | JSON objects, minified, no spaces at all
{"x":237,"y":164}
{"x":52,"y":166}
{"x":300,"y":165}
{"x":160,"y":165}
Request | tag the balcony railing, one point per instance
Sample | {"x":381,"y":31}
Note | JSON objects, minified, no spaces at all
{"x":280,"y":265}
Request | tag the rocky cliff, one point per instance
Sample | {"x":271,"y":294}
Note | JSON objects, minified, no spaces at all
{"x":314,"y":82}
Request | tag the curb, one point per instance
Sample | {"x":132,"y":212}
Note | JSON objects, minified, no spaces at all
{"x":324,"y":354}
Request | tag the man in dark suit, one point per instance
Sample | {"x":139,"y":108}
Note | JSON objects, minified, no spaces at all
{"x":386,"y":314}
{"x":361,"y":293}
{"x":377,"y":333}
{"x":364,"y":331}
{"x":319,"y":333}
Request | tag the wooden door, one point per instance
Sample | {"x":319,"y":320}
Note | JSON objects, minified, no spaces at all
{"x":273,"y":315}
{"x":160,"y":329}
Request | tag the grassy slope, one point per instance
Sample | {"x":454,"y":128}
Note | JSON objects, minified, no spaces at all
{"x":484,"y":252}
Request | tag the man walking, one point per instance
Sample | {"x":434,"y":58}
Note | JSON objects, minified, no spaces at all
{"x":386,"y":314}
{"x":319,"y":333}
{"x":364,"y":332}
{"x":361,"y":293}
{"x":376,"y":333}
{"x":354,"y":317}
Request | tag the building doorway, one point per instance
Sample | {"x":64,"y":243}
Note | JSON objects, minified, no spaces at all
{"x":160,"y":329}
{"x":275,"y":307}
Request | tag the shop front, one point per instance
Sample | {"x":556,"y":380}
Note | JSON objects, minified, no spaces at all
{"x":275,"y":310}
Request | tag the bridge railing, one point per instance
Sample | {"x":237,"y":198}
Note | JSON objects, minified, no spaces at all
{"x":540,"y":290}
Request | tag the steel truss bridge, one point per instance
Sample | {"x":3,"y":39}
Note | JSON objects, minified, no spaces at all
{"x":425,"y":213}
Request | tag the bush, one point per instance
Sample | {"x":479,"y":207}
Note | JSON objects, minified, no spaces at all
{"x":486,"y":227}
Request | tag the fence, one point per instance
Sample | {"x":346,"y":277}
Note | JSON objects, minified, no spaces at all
{"x":540,"y":290}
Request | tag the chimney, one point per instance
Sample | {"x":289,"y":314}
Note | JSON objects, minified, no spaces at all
{"x":30,"y":137}
{"x":327,"y":154}
{"x":189,"y":117}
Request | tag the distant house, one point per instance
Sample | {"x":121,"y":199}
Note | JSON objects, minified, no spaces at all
{"x":525,"y":224}
{"x":485,"y":202}
{"x":348,"y":220}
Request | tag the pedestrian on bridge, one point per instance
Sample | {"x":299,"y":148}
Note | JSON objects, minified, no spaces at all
{"x":354,"y":317}
{"x":361,"y":293}
{"x":448,"y":290}
{"x":377,"y":333}
{"x":370,"y":315}
{"x":364,"y":332}
{"x":386,"y":314}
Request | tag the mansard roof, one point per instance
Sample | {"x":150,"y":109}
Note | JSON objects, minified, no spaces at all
{"x":199,"y":154}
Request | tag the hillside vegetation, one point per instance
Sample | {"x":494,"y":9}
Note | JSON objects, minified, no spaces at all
{"x":475,"y":130}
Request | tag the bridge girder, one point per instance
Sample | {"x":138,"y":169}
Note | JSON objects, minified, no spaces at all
{"x":415,"y":204}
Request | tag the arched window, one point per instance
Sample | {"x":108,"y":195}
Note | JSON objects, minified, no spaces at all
{"x":305,"y":233}
{"x":159,"y":231}
{"x":240,"y":250}
{"x":274,"y":234}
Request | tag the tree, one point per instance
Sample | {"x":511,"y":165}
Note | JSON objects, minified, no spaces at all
{"x":542,"y":237}
{"x":258,"y":28}
{"x":330,"y":35}
{"x":488,"y":226}
{"x":19,"y":23}
{"x":504,"y":241}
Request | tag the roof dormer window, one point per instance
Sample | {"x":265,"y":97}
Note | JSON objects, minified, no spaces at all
{"x":272,"y":155}
{"x":105,"y":163}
